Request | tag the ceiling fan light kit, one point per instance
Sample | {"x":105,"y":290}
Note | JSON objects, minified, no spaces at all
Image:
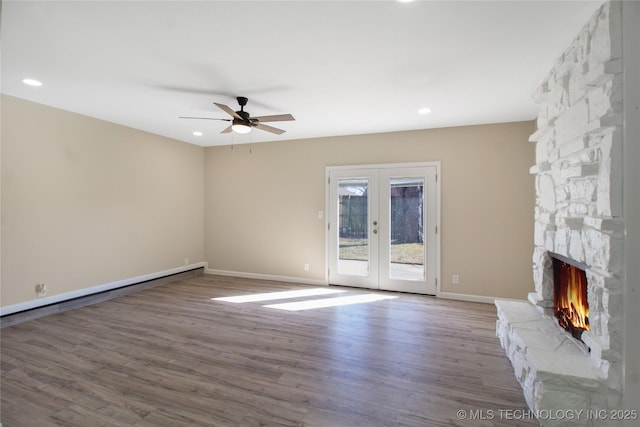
{"x":239,"y":126}
{"x":242,"y":121}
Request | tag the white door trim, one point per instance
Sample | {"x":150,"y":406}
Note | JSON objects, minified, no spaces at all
{"x":438,"y":199}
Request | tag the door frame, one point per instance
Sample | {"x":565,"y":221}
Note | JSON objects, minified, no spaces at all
{"x":327,"y":209}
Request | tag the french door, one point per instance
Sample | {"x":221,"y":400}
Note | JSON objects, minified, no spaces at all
{"x":382,"y":227}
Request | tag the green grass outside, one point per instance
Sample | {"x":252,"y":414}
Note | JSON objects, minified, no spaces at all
{"x":404,"y":253}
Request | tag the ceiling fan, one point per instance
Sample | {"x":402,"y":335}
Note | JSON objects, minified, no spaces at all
{"x":242,"y":122}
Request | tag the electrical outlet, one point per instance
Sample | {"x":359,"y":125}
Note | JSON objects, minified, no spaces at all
{"x":186,"y":261}
{"x":455,"y":279}
{"x":306,"y":267}
{"x":41,"y":290}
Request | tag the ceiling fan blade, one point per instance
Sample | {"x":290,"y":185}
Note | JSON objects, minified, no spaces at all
{"x":228,"y":110}
{"x":274,"y":118}
{"x":205,"y":118}
{"x":227,"y":129}
{"x":268,"y":128}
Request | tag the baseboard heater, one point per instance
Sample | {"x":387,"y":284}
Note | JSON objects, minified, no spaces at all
{"x":19,"y":313}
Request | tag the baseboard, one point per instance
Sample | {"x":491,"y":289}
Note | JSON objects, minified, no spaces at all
{"x":288,"y":279}
{"x":467,"y":297}
{"x":318,"y":282}
{"x":56,"y":300}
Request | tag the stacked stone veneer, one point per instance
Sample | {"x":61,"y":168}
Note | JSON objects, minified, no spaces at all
{"x":578,"y":207}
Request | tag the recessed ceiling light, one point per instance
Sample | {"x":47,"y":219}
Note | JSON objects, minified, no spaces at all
{"x":404,"y":1}
{"x":197,"y":133}
{"x":424,"y":110}
{"x":32,"y":82}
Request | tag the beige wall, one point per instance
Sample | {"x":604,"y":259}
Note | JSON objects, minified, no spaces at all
{"x":86,"y":202}
{"x":261,"y":206}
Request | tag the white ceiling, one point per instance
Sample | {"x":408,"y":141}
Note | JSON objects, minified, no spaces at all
{"x":340,"y":67}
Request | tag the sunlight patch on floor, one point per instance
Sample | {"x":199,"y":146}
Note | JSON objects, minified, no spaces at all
{"x":330,"y":302}
{"x":270,"y":296}
{"x":306,"y":304}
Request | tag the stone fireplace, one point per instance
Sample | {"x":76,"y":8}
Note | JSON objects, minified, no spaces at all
{"x":578,"y":221}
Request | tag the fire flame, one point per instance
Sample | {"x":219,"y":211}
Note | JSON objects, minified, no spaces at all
{"x":571,"y":305}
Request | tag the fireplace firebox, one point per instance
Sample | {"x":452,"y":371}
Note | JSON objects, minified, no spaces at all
{"x":570,"y":301}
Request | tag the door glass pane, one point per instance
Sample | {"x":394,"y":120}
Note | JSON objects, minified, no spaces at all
{"x":353,"y":231}
{"x":406,"y":243}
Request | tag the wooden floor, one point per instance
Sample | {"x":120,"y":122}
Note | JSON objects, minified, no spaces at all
{"x":172,"y":356}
